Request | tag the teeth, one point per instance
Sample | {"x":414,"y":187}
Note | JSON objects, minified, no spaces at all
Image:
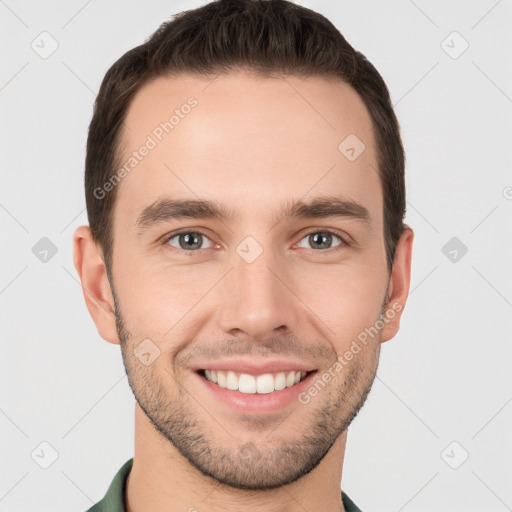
{"x":231,"y":381}
{"x":262,"y":384}
{"x":211,"y":375}
{"x":247,"y":384}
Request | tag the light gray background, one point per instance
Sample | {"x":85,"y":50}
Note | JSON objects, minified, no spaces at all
{"x":445,"y":377}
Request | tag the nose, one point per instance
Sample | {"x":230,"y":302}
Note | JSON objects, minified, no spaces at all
{"x":257,"y":301}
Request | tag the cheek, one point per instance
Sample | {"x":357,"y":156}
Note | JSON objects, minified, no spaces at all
{"x":155,"y":297}
{"x":347,"y":300}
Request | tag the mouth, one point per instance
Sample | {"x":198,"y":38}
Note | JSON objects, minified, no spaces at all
{"x":250,"y":384}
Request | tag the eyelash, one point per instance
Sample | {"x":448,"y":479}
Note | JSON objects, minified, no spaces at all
{"x":345,"y":244}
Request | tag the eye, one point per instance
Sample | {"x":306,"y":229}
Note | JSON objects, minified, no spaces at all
{"x":322,"y":239}
{"x":188,"y":241}
{"x":193,"y":241}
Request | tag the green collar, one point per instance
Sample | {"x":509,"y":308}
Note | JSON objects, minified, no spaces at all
{"x":113,"y":500}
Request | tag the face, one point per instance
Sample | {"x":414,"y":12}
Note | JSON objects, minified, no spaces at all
{"x":263,"y":282}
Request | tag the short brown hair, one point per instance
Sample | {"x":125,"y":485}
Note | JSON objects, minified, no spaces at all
{"x":266,"y":37}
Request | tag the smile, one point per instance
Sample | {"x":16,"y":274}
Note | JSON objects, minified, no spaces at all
{"x":254,"y":384}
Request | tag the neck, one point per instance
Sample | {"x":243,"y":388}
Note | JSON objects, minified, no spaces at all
{"x":162,"y":480}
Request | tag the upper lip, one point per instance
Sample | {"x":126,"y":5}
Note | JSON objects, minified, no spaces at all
{"x":254,"y":367}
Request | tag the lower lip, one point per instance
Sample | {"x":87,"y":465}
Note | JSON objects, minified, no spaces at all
{"x":258,"y":403}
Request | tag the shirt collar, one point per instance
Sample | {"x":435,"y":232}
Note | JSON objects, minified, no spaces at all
{"x":114,"y":499}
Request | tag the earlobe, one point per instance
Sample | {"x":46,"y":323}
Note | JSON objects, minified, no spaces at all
{"x":398,"y":288}
{"x":91,"y":269}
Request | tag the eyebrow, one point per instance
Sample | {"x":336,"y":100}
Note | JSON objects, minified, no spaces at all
{"x":166,"y":209}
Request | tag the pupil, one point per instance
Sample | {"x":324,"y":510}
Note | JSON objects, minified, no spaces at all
{"x":190,"y":240}
{"x":322,"y":238}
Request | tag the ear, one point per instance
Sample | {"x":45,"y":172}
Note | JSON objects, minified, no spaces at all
{"x":88,"y":260}
{"x":398,"y":288}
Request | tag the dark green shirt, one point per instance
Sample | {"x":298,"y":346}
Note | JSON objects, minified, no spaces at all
{"x":114,"y":499}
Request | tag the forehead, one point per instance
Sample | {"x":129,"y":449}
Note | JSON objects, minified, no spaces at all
{"x":248,"y":142}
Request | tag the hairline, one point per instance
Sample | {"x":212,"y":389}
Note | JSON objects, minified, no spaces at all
{"x":252,"y":72}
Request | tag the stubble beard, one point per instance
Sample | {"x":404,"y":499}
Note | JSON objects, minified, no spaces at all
{"x":270,"y":461}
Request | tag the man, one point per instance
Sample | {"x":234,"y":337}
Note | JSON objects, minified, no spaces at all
{"x":245,"y":194}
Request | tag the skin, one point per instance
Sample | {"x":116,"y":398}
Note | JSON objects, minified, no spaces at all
{"x":252,"y":144}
